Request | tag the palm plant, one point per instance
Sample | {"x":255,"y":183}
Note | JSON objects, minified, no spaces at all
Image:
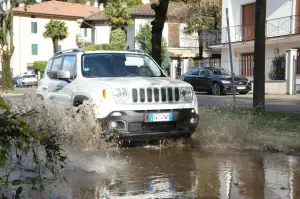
{"x":56,"y":30}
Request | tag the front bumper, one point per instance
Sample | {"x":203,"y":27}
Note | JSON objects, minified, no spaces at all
{"x":238,"y":88}
{"x":134,"y":125}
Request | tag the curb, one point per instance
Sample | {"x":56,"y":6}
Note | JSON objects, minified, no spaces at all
{"x":11,"y":95}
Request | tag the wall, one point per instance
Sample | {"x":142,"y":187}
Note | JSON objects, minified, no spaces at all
{"x":187,"y":41}
{"x":102,"y":33}
{"x":23,"y":39}
{"x":130,"y":36}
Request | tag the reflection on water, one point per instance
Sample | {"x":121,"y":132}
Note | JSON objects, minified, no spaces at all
{"x":178,"y":173}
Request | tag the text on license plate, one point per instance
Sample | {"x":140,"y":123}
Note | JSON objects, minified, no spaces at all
{"x":241,"y":87}
{"x":160,"y":117}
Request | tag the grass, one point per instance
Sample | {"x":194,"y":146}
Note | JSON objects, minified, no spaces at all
{"x":241,"y":127}
{"x":2,"y":91}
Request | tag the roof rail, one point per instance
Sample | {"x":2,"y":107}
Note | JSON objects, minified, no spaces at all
{"x":138,"y":51}
{"x":71,"y":49}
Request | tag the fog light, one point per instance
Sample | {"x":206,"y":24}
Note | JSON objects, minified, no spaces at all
{"x":113,"y":125}
{"x":193,"y":111}
{"x":116,"y":114}
{"x":193,"y":120}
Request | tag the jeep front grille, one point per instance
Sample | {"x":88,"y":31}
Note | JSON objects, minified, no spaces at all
{"x":151,"y":95}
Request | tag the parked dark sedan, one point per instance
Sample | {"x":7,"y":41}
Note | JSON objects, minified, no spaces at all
{"x":215,"y":81}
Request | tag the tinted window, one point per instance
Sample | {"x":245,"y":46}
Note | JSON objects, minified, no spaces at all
{"x":203,"y":72}
{"x":119,"y":65}
{"x":69,"y":64}
{"x":195,"y":73}
{"x":29,"y":76}
{"x":56,"y":65}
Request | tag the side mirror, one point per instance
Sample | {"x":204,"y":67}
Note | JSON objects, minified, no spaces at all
{"x":64,"y":75}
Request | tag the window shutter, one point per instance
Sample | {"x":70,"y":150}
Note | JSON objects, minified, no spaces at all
{"x":33,"y":27}
{"x":34,"y":49}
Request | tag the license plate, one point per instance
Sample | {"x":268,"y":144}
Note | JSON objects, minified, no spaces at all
{"x":160,"y":117}
{"x":241,"y":87}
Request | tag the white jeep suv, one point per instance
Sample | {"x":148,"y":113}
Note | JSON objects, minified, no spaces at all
{"x":133,"y":97}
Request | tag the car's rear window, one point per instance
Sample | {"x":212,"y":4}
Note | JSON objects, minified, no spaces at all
{"x":29,"y":76}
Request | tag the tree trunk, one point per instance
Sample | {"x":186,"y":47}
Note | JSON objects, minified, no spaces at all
{"x":55,"y":45}
{"x":259,"y":57}
{"x":7,"y":83}
{"x":7,"y":50}
{"x":200,"y":39}
{"x":158,"y":23}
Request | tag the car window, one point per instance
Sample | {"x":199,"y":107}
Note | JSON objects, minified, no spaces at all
{"x":195,"y":73}
{"x":56,"y":65}
{"x":29,"y":76}
{"x":69,"y":64}
{"x":119,"y":65}
{"x":203,"y":72}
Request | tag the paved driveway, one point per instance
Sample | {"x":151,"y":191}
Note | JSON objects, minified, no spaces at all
{"x":282,"y":103}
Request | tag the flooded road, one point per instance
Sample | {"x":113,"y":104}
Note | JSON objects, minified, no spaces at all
{"x":150,"y":172}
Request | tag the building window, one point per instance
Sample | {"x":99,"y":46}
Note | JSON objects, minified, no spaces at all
{"x":33,"y":27}
{"x":34,"y":49}
{"x":85,"y":32}
{"x":59,"y":48}
{"x":247,"y":64}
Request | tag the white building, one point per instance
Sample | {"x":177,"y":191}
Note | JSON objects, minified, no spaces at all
{"x":282,"y":35}
{"x":29,"y":26}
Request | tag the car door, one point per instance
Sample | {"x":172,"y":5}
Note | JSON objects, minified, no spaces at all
{"x":201,"y":81}
{"x":65,"y":88}
{"x":190,"y":78}
{"x":53,"y":85}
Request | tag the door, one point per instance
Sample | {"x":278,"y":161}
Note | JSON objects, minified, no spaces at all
{"x":297,"y":74}
{"x":53,"y":84}
{"x":297,"y":17}
{"x":201,"y":81}
{"x":65,"y":88}
{"x":247,"y":64}
{"x":248,"y":22}
{"x":191,"y":76}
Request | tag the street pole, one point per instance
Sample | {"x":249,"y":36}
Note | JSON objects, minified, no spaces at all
{"x":259,"y":57}
{"x":230,"y":57}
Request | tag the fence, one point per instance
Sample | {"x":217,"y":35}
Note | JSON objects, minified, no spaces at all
{"x":274,"y":69}
{"x":284,"y":26}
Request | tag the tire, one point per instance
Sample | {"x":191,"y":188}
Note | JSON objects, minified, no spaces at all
{"x":244,"y":93}
{"x":216,"y":89}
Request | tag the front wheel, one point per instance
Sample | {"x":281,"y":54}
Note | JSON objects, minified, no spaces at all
{"x":244,"y":93}
{"x":216,"y":89}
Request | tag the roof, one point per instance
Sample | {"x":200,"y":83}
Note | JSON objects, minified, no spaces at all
{"x":175,"y":11}
{"x":98,"y":16}
{"x":58,"y":8}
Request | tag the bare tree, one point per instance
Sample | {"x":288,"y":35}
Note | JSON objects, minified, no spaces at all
{"x":259,"y":57}
{"x":202,"y":15}
{"x":160,"y":8}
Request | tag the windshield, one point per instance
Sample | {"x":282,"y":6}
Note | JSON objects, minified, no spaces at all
{"x":219,"y":71}
{"x":119,"y":65}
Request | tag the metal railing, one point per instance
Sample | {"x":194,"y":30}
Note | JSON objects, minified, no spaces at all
{"x":278,"y":27}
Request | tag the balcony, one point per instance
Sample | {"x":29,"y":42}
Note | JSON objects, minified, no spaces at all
{"x":286,"y":26}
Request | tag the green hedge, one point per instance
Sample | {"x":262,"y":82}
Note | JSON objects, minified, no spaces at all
{"x":103,"y":47}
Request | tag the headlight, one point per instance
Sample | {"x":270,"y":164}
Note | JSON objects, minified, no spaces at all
{"x":226,"y":82}
{"x":186,"y":93}
{"x":118,"y":94}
